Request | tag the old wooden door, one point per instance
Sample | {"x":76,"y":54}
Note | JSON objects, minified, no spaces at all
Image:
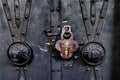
{"x":35,"y":26}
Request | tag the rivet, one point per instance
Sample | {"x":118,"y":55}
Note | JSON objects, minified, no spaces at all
{"x":49,"y":34}
{"x":52,"y":26}
{"x":9,"y":19}
{"x":64,"y":21}
{"x":59,"y":28}
{"x":71,"y":65}
{"x":98,"y":34}
{"x":53,"y":40}
{"x":16,"y":6}
{"x":93,"y":1}
{"x":17,"y":18}
{"x":13,"y":35}
{"x":93,"y":15}
{"x":25,"y":69}
{"x":81,"y":43}
{"x":88,"y":34}
{"x":85,"y":18}
{"x":4,"y":4}
{"x":96,"y":69}
{"x":29,"y":0}
{"x":82,"y":2}
{"x":55,"y":34}
{"x":26,"y":17}
{"x":48,"y":43}
{"x":58,"y":9}
{"x":17,"y":68}
{"x":52,"y":55}
{"x":23,"y":33}
{"x":88,"y":69}
{"x":65,"y":65}
{"x":101,"y":17}
{"x":52,"y":10}
{"x":76,"y":57}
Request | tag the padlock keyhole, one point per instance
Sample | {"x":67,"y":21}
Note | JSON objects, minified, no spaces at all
{"x":66,"y":35}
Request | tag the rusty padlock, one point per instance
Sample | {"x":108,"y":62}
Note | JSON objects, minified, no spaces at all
{"x":66,"y":46}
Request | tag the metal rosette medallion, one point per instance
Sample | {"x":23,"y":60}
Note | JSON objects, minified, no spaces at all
{"x":93,"y":53}
{"x":20,"y":53}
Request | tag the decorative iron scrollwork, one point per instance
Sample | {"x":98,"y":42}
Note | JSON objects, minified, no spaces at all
{"x":20,"y":53}
{"x":93,"y":53}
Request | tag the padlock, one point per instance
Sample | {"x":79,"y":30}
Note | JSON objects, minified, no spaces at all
{"x":66,"y":46}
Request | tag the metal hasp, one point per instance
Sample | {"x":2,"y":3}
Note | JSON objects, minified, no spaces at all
{"x":66,"y":46}
{"x":20,"y":53}
{"x":93,"y":53}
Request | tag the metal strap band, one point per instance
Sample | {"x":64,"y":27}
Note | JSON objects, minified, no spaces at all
{"x":90,"y":28}
{"x":55,"y":22}
{"x":18,"y":30}
{"x":22,"y":74}
{"x":88,"y":73}
{"x":85,"y":17}
{"x":17,"y":12}
{"x":92,"y":73}
{"x":97,"y":74}
{"x":13,"y":28}
{"x":93,"y":12}
{"x":24,"y":25}
{"x":101,"y":19}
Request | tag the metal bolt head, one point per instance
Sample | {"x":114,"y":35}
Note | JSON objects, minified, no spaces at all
{"x":88,"y":69}
{"x":96,"y":69}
